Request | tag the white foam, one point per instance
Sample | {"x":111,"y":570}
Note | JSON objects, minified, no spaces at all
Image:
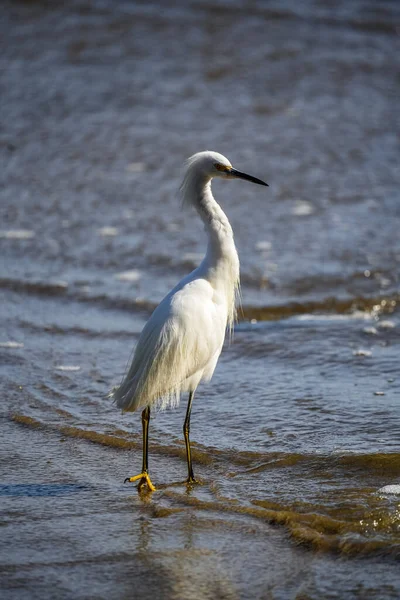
{"x":362,"y":352}
{"x":387,"y":324}
{"x":370,"y":330}
{"x":132,"y":275}
{"x":357,"y":314}
{"x":11,"y":344}
{"x":17,"y":234}
{"x":108,"y":231}
{"x":67,"y":368}
{"x":303,"y":208}
{"x":390,"y":489}
{"x":263,"y":245}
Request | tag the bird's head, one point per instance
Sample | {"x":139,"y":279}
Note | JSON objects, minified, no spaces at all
{"x":212,"y":164}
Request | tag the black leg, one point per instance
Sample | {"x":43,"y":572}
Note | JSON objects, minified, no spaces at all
{"x":145,"y":425}
{"x":144,"y":475}
{"x":186,"y":431}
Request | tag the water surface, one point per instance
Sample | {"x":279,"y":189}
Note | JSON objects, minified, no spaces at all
{"x":299,"y":429}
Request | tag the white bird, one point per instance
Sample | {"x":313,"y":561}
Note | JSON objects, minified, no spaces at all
{"x":181,"y":342}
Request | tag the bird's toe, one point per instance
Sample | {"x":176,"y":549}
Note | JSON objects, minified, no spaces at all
{"x":144,"y":480}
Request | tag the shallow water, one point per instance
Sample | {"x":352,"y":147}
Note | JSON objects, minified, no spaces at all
{"x":101,"y":103}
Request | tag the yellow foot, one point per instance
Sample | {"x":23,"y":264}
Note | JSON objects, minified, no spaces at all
{"x":192,"y":480}
{"x":144,"y":479}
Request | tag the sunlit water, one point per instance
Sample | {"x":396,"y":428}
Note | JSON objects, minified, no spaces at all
{"x":300,"y":425}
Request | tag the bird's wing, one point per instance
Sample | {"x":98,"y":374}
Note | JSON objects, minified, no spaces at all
{"x":180,"y":338}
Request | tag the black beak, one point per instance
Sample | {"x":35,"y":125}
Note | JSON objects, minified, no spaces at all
{"x":246,"y":177}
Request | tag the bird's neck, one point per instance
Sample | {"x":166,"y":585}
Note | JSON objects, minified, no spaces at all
{"x":215,"y":220}
{"x":221,"y":262}
{"x":196,"y":190}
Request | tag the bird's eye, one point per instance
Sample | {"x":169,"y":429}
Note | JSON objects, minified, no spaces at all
{"x":220,"y":167}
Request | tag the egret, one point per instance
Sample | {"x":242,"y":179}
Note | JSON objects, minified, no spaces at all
{"x":181,"y":342}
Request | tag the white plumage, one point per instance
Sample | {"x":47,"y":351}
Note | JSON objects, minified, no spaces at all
{"x":181,"y":342}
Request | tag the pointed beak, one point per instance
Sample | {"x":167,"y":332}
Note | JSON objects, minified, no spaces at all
{"x":240,"y":175}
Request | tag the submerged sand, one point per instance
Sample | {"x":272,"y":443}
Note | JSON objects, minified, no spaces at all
{"x":71,"y":529}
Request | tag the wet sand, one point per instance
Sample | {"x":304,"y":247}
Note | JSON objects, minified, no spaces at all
{"x":74,"y":528}
{"x":70,"y":528}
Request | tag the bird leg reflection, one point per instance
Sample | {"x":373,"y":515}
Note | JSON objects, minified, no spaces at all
{"x":144,"y":475}
{"x":186,"y":431}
